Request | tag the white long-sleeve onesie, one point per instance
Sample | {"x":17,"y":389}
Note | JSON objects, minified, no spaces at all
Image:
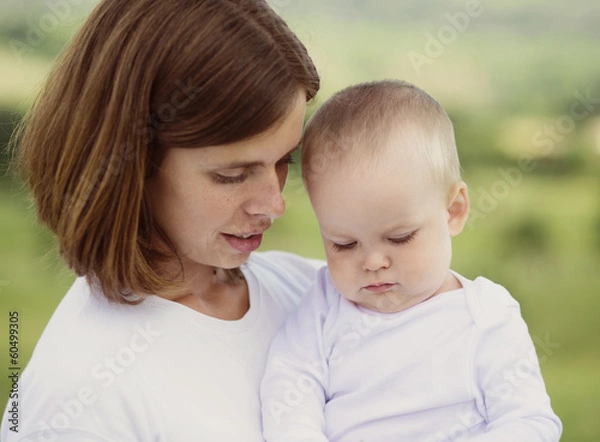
{"x":459,"y":366}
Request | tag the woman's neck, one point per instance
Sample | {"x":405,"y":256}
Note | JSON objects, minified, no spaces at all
{"x":213,"y":292}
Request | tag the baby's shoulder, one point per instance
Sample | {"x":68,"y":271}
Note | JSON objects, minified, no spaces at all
{"x":488,"y":301}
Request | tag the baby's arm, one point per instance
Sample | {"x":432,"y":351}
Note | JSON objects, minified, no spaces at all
{"x":514,"y":399}
{"x":293,"y":388}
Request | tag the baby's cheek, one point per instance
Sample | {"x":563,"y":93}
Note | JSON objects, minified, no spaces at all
{"x":340,"y":275}
{"x":435,"y":260}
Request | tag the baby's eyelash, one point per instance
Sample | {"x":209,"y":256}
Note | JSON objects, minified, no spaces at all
{"x":405,"y":239}
{"x":342,"y":247}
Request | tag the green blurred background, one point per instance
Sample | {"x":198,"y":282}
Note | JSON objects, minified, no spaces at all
{"x":521,"y":81}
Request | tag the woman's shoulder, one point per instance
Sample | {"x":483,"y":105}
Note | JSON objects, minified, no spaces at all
{"x":285,"y":276}
{"x":86,"y":326}
{"x":87,"y":364}
{"x":285,"y":264}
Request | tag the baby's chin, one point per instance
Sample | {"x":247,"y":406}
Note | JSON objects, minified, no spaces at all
{"x":390,"y":302}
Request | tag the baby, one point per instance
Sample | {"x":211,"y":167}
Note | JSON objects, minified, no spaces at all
{"x":390,"y":344}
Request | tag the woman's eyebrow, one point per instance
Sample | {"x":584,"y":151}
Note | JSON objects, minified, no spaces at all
{"x":243,"y":164}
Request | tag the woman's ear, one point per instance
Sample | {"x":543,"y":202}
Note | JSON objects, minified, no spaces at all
{"x":458,"y":208}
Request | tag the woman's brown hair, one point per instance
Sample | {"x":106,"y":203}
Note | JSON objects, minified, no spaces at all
{"x":142,"y":76}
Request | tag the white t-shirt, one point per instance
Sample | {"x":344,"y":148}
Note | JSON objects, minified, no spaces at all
{"x":157,"y":371}
{"x":459,"y":366}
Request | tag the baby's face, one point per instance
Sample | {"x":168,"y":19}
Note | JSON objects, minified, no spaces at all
{"x":386,"y":233}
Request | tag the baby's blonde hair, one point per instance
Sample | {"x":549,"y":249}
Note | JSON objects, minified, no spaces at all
{"x":372,"y":114}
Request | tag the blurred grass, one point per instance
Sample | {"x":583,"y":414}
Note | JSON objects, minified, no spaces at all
{"x":510,"y":74}
{"x":20,"y":81}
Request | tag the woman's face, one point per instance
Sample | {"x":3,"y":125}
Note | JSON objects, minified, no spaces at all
{"x":214,"y":203}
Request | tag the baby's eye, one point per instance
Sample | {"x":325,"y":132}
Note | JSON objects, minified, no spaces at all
{"x":404,"y":239}
{"x":342,"y":247}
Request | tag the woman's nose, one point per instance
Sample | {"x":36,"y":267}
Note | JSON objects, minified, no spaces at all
{"x":268,"y":200}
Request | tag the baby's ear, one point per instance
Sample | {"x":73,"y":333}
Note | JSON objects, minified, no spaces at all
{"x":458,"y":208}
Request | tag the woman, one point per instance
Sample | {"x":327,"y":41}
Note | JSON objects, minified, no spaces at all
{"x":156,"y":154}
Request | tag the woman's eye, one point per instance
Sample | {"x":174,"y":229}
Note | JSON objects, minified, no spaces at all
{"x":342,"y":247}
{"x":288,"y":159}
{"x":404,"y":239}
{"x":229,"y":179}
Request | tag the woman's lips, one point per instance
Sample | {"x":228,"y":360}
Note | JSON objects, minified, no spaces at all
{"x":379,"y":288}
{"x":244,"y":245}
